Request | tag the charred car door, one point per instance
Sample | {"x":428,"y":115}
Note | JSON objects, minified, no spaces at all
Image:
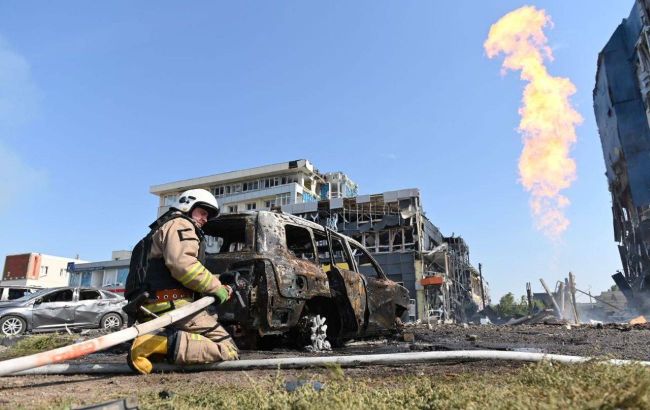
{"x":54,"y":309}
{"x":386,"y":299}
{"x":346,"y":286}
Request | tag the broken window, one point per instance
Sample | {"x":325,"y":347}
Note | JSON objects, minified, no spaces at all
{"x":396,"y":242}
{"x":384,"y":241}
{"x":299,"y":242}
{"x":370,"y":241}
{"x":89,"y":295}
{"x":323,"y":249}
{"x":230,"y":234}
{"x":340,"y":253}
{"x":409,"y":240}
{"x":367,"y":265}
{"x":60,"y":296}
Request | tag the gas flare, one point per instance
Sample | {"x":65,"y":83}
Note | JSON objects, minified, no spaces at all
{"x":548,"y":120}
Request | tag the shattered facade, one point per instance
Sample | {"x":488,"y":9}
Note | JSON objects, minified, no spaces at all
{"x":622,"y":109}
{"x":410,"y":249}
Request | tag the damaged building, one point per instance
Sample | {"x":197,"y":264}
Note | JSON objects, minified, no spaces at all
{"x":622,"y":109}
{"x":392,"y":226}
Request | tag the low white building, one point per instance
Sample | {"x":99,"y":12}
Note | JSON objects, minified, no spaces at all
{"x":36,"y":269}
{"x":110,"y":275}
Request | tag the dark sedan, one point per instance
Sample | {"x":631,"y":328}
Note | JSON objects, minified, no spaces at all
{"x":62,"y":308}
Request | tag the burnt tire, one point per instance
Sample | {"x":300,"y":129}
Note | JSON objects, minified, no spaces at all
{"x":12,"y":326}
{"x":111,"y":321}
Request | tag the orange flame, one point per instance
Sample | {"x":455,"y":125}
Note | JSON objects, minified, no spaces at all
{"x":548,"y":120}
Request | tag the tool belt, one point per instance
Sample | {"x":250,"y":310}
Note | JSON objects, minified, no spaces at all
{"x":166,"y":295}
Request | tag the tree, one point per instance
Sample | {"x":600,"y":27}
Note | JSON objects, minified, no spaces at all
{"x":508,"y":306}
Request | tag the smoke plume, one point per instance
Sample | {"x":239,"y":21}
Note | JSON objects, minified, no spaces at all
{"x":548,"y":120}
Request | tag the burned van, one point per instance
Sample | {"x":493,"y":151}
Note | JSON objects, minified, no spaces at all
{"x":287,"y":270}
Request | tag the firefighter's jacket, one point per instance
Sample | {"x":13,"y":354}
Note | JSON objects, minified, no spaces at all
{"x":176,"y":246}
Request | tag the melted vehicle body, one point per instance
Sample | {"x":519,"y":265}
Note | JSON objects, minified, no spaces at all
{"x":286,"y":270}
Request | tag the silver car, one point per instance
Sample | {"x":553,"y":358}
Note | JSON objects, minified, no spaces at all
{"x":62,"y":308}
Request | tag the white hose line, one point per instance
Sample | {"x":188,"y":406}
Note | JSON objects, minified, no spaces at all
{"x":76,"y":350}
{"x":343,"y":361}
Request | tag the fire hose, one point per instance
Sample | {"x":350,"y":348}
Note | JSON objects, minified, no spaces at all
{"x":343,"y":361}
{"x":77,"y":350}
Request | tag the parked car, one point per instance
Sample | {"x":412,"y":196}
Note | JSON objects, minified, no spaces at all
{"x":60,"y":308}
{"x":287,"y":270}
{"x":11,"y":292}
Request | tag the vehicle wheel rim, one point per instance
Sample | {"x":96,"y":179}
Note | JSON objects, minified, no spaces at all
{"x":12,"y":326}
{"x":111,"y":321}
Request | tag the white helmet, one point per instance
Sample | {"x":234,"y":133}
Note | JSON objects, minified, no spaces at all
{"x":198,"y":197}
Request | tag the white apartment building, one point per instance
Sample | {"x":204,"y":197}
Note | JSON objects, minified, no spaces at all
{"x":36,"y":269}
{"x":261,"y":187}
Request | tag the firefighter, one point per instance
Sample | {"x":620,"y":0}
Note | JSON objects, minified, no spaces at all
{"x":175,"y":275}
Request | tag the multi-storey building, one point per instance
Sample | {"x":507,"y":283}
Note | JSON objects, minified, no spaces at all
{"x":261,"y":187}
{"x":622,"y":109}
{"x":36,"y":269}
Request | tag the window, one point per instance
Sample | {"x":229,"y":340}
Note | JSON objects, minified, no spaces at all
{"x":75,"y":279}
{"x":170,"y":200}
{"x":231,"y":234}
{"x":86,"y":278}
{"x":109,"y":278}
{"x":251,"y":186}
{"x":271,"y":182}
{"x":299,"y":242}
{"x":43,"y":270}
{"x":121,"y":276}
{"x":59,"y":296}
{"x":251,"y":206}
{"x":15,"y":293}
{"x":341,"y":256}
{"x":269,"y":204}
{"x":283,"y":199}
{"x":89,"y":295}
{"x":219,"y":191}
{"x":367,"y":265}
{"x":62,"y":271}
{"x":287,"y":180}
{"x":236,"y":188}
{"x":232,"y":209}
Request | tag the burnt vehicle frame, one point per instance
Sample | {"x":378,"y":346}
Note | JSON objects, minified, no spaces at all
{"x":286,"y":270}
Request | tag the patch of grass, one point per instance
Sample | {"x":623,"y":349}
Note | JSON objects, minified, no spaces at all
{"x":37,"y":343}
{"x":537,"y":386}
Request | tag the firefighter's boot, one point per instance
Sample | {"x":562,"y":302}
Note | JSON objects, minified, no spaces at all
{"x":142,"y":348}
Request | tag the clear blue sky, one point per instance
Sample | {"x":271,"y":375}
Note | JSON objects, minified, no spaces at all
{"x":101,"y":100}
